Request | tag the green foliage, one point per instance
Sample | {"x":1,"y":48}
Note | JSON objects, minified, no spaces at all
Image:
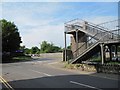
{"x":10,"y":36}
{"x":45,"y":48}
{"x":49,"y":47}
{"x":27,"y":51}
{"x":21,"y":58}
{"x":68,"y":47}
{"x":35,"y":50}
{"x":22,"y":48}
{"x":118,"y":48}
{"x":112,"y":62}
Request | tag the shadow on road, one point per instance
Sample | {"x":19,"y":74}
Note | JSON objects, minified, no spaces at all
{"x":65,"y":81}
{"x":31,"y":60}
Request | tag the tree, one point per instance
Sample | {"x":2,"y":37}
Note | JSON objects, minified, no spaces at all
{"x":10,"y":36}
{"x":57,"y":49}
{"x":68,"y":47}
{"x":22,"y":48}
{"x":35,"y":50}
{"x":45,"y":47}
{"x":49,"y":47}
{"x":27,"y":51}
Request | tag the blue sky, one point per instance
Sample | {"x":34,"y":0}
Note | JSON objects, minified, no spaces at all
{"x":39,"y":21}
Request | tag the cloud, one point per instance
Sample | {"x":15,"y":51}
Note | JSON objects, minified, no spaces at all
{"x":30,"y":14}
{"x":55,"y":33}
{"x":100,"y":19}
{"x":36,"y":24}
{"x":45,"y":21}
{"x":109,"y":22}
{"x":50,"y":33}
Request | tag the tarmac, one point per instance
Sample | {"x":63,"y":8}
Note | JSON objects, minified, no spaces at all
{"x":61,"y":65}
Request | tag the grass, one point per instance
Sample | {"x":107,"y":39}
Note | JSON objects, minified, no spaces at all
{"x":72,"y":66}
{"x":21,"y":58}
{"x":115,"y":63}
{"x":95,"y":59}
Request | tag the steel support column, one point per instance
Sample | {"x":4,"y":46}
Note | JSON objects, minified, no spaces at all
{"x":76,"y":42}
{"x":110,"y":52}
{"x":65,"y":47}
{"x":102,"y":53}
{"x":116,"y":51}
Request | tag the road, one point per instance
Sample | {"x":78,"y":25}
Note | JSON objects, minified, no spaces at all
{"x":41,"y":74}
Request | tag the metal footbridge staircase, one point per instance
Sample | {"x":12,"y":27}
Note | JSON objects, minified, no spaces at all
{"x":97,"y":35}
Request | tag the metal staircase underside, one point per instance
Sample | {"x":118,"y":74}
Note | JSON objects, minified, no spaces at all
{"x":96,"y":32}
{"x":86,"y":54}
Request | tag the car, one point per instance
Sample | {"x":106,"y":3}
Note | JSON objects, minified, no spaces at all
{"x":114,"y":59}
{"x":119,"y":59}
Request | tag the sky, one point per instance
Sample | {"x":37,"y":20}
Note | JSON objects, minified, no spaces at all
{"x":44,"y":21}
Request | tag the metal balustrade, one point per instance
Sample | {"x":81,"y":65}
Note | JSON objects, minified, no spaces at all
{"x":111,"y":25}
{"x":91,"y":44}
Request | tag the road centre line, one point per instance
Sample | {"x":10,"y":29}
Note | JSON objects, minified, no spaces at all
{"x":40,"y":72}
{"x":6,"y":83}
{"x":50,"y":64}
{"x":85,"y":85}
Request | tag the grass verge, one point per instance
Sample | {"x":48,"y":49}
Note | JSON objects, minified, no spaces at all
{"x":21,"y":58}
{"x":72,"y":66}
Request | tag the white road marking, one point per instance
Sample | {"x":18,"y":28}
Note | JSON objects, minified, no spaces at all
{"x":53,"y":63}
{"x":85,"y":85}
{"x":41,"y":72}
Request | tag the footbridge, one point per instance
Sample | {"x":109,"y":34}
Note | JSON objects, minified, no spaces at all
{"x":87,"y":39}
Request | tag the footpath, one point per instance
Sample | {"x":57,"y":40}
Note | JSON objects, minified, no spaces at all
{"x":61,"y":65}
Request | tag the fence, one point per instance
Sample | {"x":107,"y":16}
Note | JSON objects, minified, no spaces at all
{"x":108,"y":68}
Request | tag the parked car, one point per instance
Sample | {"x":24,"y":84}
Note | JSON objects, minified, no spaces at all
{"x":116,"y":58}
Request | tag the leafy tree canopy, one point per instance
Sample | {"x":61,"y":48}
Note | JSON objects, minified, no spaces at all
{"x":68,"y":47}
{"x":35,"y":50}
{"x":27,"y":51}
{"x":10,"y":36}
{"x":49,"y":47}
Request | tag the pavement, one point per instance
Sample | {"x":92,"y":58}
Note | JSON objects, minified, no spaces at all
{"x":61,"y":65}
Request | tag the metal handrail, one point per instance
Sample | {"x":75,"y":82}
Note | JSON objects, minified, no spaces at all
{"x":72,"y":22}
{"x":90,"y":45}
{"x":85,"y":42}
{"x":108,"y":22}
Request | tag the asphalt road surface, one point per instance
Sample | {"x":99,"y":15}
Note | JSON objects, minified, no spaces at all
{"x":40,"y":74}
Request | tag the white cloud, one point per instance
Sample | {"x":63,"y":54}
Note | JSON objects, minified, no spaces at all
{"x":100,"y":19}
{"x":35,"y":30}
{"x":50,"y":33}
{"x":104,"y":21}
{"x":26,"y":12}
